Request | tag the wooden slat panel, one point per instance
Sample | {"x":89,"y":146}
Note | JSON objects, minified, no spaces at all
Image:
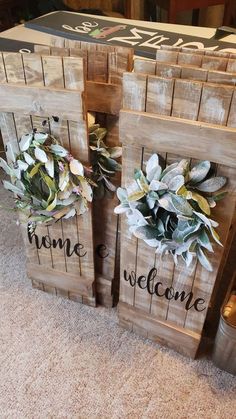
{"x":60,"y":52}
{"x":97,"y":66}
{"x":14,"y":67}
{"x":221,"y":77}
{"x":201,"y":136}
{"x":144,"y":66}
{"x":214,"y":63}
{"x":118,"y":63}
{"x":168,"y":70}
{"x":167,"y":56}
{"x":134,"y":87}
{"x":2,"y":70}
{"x":204,"y":281}
{"x":232,"y":113}
{"x":159,"y":95}
{"x":190,"y":59}
{"x":215,"y":103}
{"x":231,"y":66}
{"x":186,"y":99}
{"x":132,"y":159}
{"x":33,"y":69}
{"x":183,"y":341}
{"x":74,"y":73}
{"x":42,"y":49}
{"x":105,"y":98}
{"x":40,"y":101}
{"x":53,"y":72}
{"x":192,"y":73}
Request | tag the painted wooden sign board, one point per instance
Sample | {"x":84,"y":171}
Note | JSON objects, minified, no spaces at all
{"x":175,"y":119}
{"x":145,"y":41}
{"x":60,"y":256}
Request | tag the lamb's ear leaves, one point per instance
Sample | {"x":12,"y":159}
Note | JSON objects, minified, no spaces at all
{"x":202,"y":203}
{"x":135,"y":196}
{"x":203,"y":260}
{"x":181,"y":205}
{"x":7,"y":169}
{"x":199,"y":172}
{"x":212,"y":185}
{"x":121,"y":194}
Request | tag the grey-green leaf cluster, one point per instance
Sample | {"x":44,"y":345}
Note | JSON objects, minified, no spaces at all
{"x":47,"y":181}
{"x":170,"y":209}
{"x":104,"y":162}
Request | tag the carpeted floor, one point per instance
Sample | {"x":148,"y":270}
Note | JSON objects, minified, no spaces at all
{"x":59,"y":359}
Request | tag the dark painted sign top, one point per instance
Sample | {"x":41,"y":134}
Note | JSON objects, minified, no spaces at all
{"x":144,"y":40}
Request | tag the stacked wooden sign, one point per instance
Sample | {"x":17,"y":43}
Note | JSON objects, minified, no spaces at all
{"x":181,"y":106}
{"x":175,"y":118}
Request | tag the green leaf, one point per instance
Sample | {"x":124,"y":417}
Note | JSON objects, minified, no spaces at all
{"x":203,"y":260}
{"x":52,"y":205}
{"x":146,"y":232}
{"x":7,"y":169}
{"x":202,"y":203}
{"x":199,"y":172}
{"x":176,"y":183}
{"x":40,"y":155}
{"x":59,"y":150}
{"x":181,"y":205}
{"x":135,"y":196}
{"x":212,"y":185}
{"x":25,"y":142}
{"x":219,"y":196}
{"x":122,"y":194}
{"x":153,"y":169}
{"x":35,"y":170}
{"x":204,"y":240}
{"x":166,"y":202}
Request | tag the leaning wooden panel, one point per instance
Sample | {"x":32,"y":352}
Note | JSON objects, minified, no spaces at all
{"x":56,"y":267}
{"x":104,"y":66}
{"x":144,"y":282}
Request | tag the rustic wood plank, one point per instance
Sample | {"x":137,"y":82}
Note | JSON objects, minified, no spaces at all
{"x":14,"y":68}
{"x":221,"y":77}
{"x":118,"y":63}
{"x":215,"y":103}
{"x":168,"y":70}
{"x":134,"y":88}
{"x":74,"y":73}
{"x":186,"y":99}
{"x":167,"y":56}
{"x":40,"y":101}
{"x":53,"y":71}
{"x":60,"y":280}
{"x":194,"y":60}
{"x":183,"y":341}
{"x":3,"y":78}
{"x":192,"y":73}
{"x":97,"y":66}
{"x":144,"y":66}
{"x":214,"y":63}
{"x":33,"y":69}
{"x":159,"y":95}
{"x":105,"y":98}
{"x":199,"y":135}
{"x":232,"y":112}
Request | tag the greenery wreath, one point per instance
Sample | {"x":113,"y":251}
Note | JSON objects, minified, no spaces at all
{"x":169,"y":209}
{"x":48,"y":182}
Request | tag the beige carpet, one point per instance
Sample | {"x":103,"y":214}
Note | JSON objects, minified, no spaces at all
{"x":59,"y":359}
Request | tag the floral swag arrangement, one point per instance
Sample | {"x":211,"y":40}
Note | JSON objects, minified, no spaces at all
{"x":49,"y":183}
{"x":169,"y":209}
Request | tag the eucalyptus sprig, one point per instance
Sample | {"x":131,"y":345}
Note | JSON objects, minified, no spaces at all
{"x":170,"y":209}
{"x":47,"y":181}
{"x":104,"y":162}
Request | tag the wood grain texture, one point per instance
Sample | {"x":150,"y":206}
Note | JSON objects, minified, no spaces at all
{"x":183,"y":107}
{"x":43,"y":76}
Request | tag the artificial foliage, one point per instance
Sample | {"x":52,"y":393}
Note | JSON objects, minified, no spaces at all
{"x":104,"y":162}
{"x":171,"y":209}
{"x":47,"y":181}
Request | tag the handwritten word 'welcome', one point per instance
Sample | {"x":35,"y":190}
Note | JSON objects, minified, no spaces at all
{"x":148,"y":283}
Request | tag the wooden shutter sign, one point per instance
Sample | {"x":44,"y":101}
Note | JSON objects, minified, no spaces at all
{"x":59,"y":256}
{"x":174,"y":118}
